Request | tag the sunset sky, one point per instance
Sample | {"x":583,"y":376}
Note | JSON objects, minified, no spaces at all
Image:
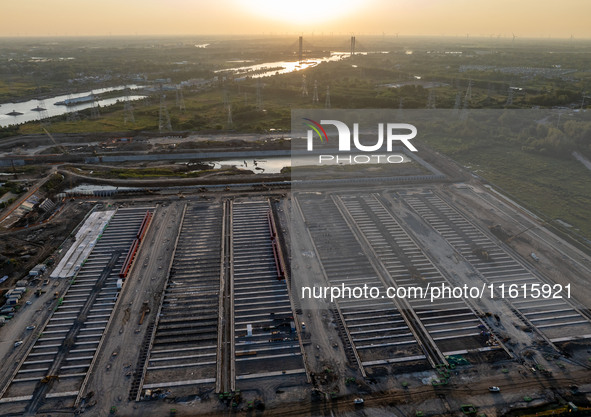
{"x":524,"y":18}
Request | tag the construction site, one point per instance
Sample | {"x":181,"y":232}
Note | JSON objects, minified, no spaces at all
{"x":188,"y":300}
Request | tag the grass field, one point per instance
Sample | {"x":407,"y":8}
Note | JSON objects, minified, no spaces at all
{"x":554,"y":187}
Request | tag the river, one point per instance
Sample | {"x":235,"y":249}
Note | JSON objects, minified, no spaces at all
{"x":283,"y":67}
{"x":51,"y":109}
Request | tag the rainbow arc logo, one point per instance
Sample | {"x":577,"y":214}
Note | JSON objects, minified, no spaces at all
{"x":316,"y":127}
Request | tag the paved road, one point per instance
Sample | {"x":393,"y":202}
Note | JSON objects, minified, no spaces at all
{"x":109,"y":379}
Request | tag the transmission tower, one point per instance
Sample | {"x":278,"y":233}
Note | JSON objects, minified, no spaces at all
{"x":509,"y":97}
{"x":180,"y":99}
{"x":228,"y":107}
{"x":43,"y":114}
{"x":72,"y":114}
{"x":128,"y":113}
{"x":583,"y":101}
{"x":467,"y":102}
{"x":300,"y":48}
{"x":229,"y":123}
{"x":431,"y":100}
{"x":327,"y":100}
{"x":225,"y":97}
{"x":400,"y":114}
{"x":128,"y":109}
{"x":468,"y":96}
{"x":457,"y":104}
{"x":315,"y":95}
{"x":304,"y":89}
{"x":95,"y":108}
{"x":259,"y":95}
{"x":353,"y":45}
{"x":163,"y":116}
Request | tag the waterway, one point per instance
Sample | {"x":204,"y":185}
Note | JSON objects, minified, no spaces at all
{"x":52,"y":109}
{"x":268,"y":69}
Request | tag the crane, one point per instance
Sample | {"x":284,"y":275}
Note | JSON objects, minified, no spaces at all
{"x":63,"y":149}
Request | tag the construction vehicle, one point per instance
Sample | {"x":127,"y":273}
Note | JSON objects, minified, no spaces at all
{"x":468,"y":409}
{"x":145,"y":310}
{"x":56,"y":295}
{"x":481,"y":254}
{"x":48,"y":378}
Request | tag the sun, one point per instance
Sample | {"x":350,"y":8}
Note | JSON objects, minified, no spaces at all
{"x":302,"y":11}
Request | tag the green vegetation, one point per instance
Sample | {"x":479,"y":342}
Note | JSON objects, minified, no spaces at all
{"x":148,"y":173}
{"x":416,"y":73}
{"x":536,"y":171}
{"x":54,"y":183}
{"x":533,"y":164}
{"x":8,"y":131}
{"x":12,"y":187}
{"x":15,"y":90}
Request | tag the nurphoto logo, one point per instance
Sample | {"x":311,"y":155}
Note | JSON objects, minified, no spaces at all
{"x":392,"y":133}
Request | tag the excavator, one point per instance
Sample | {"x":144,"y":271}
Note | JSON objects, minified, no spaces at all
{"x":48,"y":378}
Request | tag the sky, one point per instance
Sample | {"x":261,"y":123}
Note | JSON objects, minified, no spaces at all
{"x":524,"y":18}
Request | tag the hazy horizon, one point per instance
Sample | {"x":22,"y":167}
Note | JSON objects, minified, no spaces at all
{"x":451,"y":18}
